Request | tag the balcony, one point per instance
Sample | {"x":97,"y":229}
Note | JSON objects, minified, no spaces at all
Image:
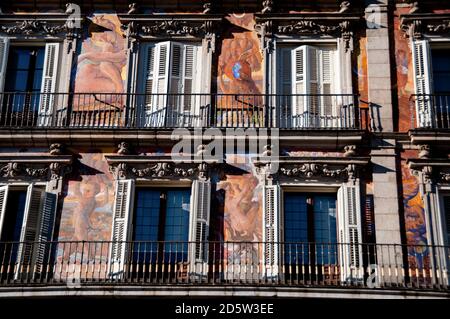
{"x":138,"y":111}
{"x":430,"y":111}
{"x":363,"y":266}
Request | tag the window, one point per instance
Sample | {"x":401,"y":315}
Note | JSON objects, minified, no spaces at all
{"x":432,"y":75}
{"x":28,"y":81}
{"x":446,"y":217}
{"x":162,"y":216}
{"x":307,"y":85}
{"x":310,"y":229}
{"x":26,"y":224}
{"x":169,"y":78}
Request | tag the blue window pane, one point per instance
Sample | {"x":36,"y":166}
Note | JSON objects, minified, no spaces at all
{"x":441,"y":70}
{"x":19,"y":58}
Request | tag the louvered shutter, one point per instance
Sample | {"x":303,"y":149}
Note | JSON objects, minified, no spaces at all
{"x":4,"y":48}
{"x":312,"y":84}
{"x":29,"y":232}
{"x":201,"y":195}
{"x":3,"y":199}
{"x":349,"y":228}
{"x":422,"y":82}
{"x":189,"y":85}
{"x":45,"y":231}
{"x":120,"y":227}
{"x":300,"y":83}
{"x":149,"y":81}
{"x":326,"y":107}
{"x":271,"y":200}
{"x":284,"y":88}
{"x":175,"y":101}
{"x":49,"y":82}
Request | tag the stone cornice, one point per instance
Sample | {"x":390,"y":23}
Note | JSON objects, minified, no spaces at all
{"x":344,"y":168}
{"x":417,"y":25}
{"x":172,"y":25}
{"x":34,"y":166}
{"x":432,"y":170}
{"x":56,"y":25}
{"x":158,"y":166}
{"x":330,"y":24}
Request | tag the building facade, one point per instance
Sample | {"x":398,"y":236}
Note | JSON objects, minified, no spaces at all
{"x":254,"y":147}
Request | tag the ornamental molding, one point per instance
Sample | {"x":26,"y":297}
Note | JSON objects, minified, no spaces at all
{"x":417,"y":25}
{"x":171,"y":25}
{"x":311,"y":168}
{"x":157,"y":167}
{"x":431,"y":171}
{"x":39,"y":166}
{"x":336,"y":25}
{"x":34,"y":25}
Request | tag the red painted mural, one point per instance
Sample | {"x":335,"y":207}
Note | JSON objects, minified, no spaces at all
{"x":415,"y":222}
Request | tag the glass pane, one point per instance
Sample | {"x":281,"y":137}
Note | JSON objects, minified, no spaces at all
{"x":177,"y":224}
{"x":295,"y":228}
{"x":325,"y":231}
{"x":441,"y":70}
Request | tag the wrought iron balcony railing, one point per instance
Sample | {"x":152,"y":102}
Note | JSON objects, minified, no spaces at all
{"x":225,"y":263}
{"x":430,"y":111}
{"x":110,"y":110}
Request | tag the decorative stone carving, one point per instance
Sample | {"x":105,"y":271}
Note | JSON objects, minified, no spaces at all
{"x":344,"y":6}
{"x":174,"y":27}
{"x":267,"y":6}
{"x":440,"y":28}
{"x":349,"y":150}
{"x":31,"y":27}
{"x":427,"y":174}
{"x":56,"y":149}
{"x":132,"y":8}
{"x":37,"y":172}
{"x":10,"y":170}
{"x":445,"y":177}
{"x":425,"y":151}
{"x":124,"y":148}
{"x":307,"y":27}
{"x":207,"y":7}
{"x":119,"y":170}
{"x":310,"y":170}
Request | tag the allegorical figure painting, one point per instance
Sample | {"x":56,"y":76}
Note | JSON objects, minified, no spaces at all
{"x":416,"y":233}
{"x":87,"y":212}
{"x":100,"y":74}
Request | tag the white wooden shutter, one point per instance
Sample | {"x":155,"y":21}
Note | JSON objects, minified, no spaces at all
{"x":45,"y":230}
{"x":313,"y":76}
{"x":271,"y":208}
{"x":149,"y":79}
{"x":49,"y":82}
{"x":159,"y":109}
{"x":422,"y":82}
{"x":201,"y":202}
{"x":326,"y":103}
{"x":123,"y":205}
{"x":4,"y":48}
{"x":3,"y":199}
{"x":300,"y":84}
{"x":349,"y":233}
{"x":29,"y":232}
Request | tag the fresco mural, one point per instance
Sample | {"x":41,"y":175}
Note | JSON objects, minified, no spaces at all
{"x":240,"y":71}
{"x":101,"y":69}
{"x":238,"y":218}
{"x":404,"y":74}
{"x":87,"y":212}
{"x":415,"y":225}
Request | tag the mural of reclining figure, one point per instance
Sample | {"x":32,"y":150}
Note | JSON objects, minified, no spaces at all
{"x":101,"y":64}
